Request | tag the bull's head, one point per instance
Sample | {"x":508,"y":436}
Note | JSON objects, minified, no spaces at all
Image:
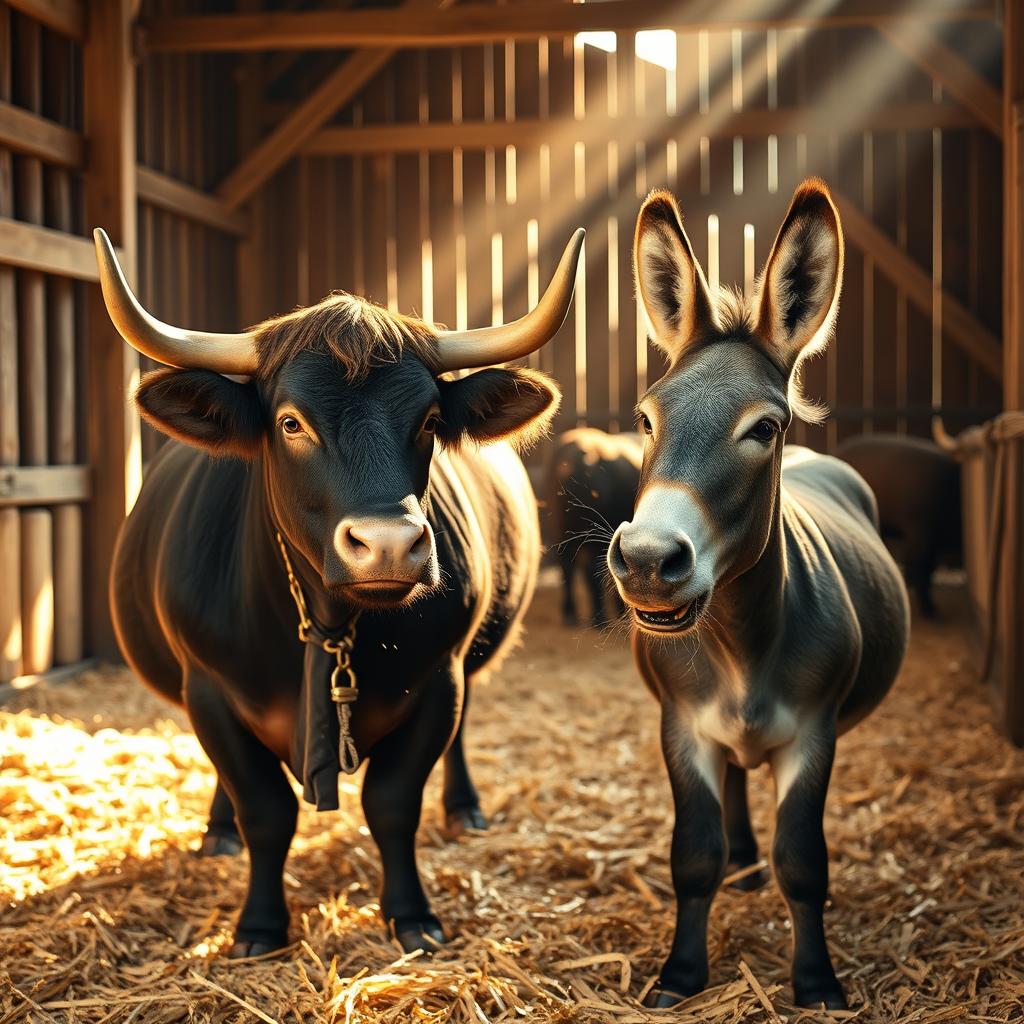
{"x":343,"y":404}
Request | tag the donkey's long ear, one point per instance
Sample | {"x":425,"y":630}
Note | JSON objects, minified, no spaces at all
{"x":800,"y":289}
{"x":673,"y":292}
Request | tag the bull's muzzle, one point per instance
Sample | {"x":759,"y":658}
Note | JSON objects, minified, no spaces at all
{"x":380,"y":553}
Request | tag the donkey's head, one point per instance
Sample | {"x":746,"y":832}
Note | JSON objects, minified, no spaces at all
{"x":340,"y":406}
{"x":716,"y":421}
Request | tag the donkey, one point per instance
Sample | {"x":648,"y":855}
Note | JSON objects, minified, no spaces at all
{"x":768,"y":616}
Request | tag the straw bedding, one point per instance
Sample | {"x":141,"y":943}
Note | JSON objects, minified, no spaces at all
{"x":561,"y":912}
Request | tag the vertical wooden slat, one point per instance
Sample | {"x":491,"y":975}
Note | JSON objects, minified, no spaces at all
{"x":67,"y":519}
{"x":631,"y":336}
{"x":10,"y":531}
{"x":112,"y":367}
{"x":36,"y":523}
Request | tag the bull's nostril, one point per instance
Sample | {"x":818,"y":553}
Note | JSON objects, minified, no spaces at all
{"x":421,"y":545}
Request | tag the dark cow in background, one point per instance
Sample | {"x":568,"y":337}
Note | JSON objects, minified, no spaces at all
{"x":589,"y":487}
{"x":769,"y":617}
{"x":917,"y":487}
{"x":339,"y":484}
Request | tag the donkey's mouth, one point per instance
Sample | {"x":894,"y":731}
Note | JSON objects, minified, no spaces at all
{"x":678,"y":620}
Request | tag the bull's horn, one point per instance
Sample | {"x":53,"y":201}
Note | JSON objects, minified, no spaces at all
{"x":464,"y":350}
{"x":946,"y":442}
{"x":194,"y":350}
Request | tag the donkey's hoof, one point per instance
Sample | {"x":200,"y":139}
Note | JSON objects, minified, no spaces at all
{"x":419,"y":936}
{"x":243,"y":950}
{"x":464,"y":819}
{"x":821,"y":998}
{"x":220,"y":846}
{"x":663,"y":998}
{"x":748,"y":883}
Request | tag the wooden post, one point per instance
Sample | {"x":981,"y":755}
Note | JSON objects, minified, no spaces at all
{"x":112,"y":368}
{"x":10,"y":533}
{"x":1011,"y":597}
{"x":67,"y":519}
{"x":36,"y":523}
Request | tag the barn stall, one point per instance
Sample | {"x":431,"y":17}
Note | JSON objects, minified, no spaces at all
{"x":251,"y":159}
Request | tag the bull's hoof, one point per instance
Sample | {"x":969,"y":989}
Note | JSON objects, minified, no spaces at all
{"x":748,"y":883}
{"x":663,"y":998}
{"x":464,"y":819}
{"x":220,"y":846}
{"x":419,"y":936}
{"x":243,"y":950}
{"x":827,"y":1000}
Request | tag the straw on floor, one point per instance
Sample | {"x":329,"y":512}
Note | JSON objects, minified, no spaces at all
{"x":561,"y":912}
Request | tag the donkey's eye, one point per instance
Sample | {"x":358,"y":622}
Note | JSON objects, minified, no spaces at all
{"x":763,"y":430}
{"x":645,"y":424}
{"x":290,"y":425}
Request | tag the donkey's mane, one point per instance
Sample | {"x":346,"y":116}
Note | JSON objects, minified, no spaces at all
{"x":357,"y":333}
{"x":736,"y":321}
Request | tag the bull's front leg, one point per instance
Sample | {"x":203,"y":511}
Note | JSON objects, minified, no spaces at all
{"x":802,"y":770}
{"x":698,"y":855}
{"x":393,"y":799}
{"x":265,"y":809}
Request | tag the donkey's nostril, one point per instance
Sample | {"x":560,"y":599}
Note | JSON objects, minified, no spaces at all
{"x":616,"y":561}
{"x":677,"y":565}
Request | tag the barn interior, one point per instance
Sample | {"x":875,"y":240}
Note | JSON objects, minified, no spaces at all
{"x":249,"y":156}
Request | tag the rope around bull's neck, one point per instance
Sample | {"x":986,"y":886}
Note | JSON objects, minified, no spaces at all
{"x":344,"y":694}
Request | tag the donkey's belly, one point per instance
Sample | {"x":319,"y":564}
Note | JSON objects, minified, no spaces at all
{"x":746,"y":737}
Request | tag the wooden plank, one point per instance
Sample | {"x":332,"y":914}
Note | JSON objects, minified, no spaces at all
{"x":445,"y":136}
{"x":114,"y":445}
{"x":265,"y":159}
{"x":48,"y":251}
{"x":44,"y":485}
{"x":59,"y":86}
{"x":64,"y":16}
{"x":184,"y":200}
{"x":10,"y":447}
{"x":28,"y":133}
{"x":37,"y":612}
{"x":477,"y":23}
{"x":959,"y":323}
{"x":950,"y":70}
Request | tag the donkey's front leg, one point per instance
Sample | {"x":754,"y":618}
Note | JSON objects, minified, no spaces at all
{"x":698,"y":857}
{"x":800,"y":856}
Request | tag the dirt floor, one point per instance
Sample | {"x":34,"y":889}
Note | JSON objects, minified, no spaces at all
{"x":561,"y":912}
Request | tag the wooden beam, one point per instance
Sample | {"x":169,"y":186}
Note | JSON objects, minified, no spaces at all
{"x":1013,"y":207}
{"x":64,"y":16}
{"x":415,"y":137}
{"x":167,"y":193}
{"x":486,"y":23}
{"x":44,"y":485}
{"x":52,"y":252}
{"x":112,"y":369}
{"x":32,"y":135}
{"x":262,"y":162}
{"x":957,"y":321}
{"x":950,"y":70}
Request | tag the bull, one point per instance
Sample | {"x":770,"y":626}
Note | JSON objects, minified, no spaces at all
{"x":330,"y":556}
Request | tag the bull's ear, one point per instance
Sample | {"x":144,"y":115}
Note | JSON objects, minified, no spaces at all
{"x":669,"y":280}
{"x":493,"y":405}
{"x":799,"y":295}
{"x":203,"y":409}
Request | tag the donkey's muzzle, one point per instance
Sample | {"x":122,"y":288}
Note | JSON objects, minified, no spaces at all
{"x":651,"y":566}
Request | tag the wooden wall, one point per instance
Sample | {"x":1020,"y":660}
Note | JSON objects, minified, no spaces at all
{"x":58,"y":393}
{"x":450,"y":185}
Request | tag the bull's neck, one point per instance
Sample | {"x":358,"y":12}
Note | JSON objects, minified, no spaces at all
{"x":747,"y":611}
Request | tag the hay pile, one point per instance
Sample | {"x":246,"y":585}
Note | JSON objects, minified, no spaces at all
{"x":562,"y":911}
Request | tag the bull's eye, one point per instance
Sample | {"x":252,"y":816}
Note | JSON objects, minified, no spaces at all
{"x":290,"y":425}
{"x":645,"y":424}
{"x":763,"y":430}
{"x":431,"y":424}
